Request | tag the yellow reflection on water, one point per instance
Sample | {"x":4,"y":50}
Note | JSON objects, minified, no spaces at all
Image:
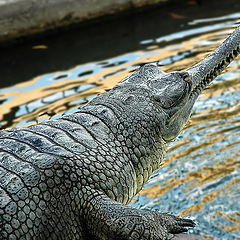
{"x":199,"y":206}
{"x":195,"y":178}
{"x":107,"y":78}
{"x":232,"y":218}
{"x":40,"y":47}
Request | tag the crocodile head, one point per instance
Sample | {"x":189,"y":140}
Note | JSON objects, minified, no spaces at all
{"x":168,"y":98}
{"x":171,"y":93}
{"x":176,"y":92}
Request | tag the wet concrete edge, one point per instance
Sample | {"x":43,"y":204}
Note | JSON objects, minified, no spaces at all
{"x":26,"y":17}
{"x":185,"y":236}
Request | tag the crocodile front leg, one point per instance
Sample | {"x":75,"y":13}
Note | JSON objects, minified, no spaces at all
{"x":106,"y":219}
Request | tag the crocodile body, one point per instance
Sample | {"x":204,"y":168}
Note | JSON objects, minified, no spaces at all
{"x":71,"y":178}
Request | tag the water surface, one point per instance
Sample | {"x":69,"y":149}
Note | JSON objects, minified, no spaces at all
{"x":200,"y":177}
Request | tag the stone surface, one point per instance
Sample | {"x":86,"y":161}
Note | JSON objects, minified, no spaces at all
{"x":185,"y":236}
{"x":23,"y":17}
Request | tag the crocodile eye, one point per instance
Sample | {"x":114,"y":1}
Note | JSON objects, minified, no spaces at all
{"x":171,"y":89}
{"x":185,"y":76}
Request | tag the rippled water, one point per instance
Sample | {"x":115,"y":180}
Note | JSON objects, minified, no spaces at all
{"x":200,"y":176}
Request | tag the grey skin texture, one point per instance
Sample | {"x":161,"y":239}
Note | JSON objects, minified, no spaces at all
{"x":71,"y":178}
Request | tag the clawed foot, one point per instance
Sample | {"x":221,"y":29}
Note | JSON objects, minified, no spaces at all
{"x":110,"y":220}
{"x":167,"y":224}
{"x":174,"y":224}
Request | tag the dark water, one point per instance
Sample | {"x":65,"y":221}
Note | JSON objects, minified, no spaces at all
{"x":200,"y":176}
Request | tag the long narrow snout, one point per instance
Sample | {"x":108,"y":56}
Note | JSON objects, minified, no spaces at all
{"x":210,"y":67}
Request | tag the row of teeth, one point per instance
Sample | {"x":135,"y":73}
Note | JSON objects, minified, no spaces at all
{"x":216,"y":70}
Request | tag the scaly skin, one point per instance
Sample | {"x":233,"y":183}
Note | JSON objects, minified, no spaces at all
{"x":71,"y":178}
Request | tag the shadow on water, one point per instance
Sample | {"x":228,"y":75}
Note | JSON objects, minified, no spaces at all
{"x":199,"y":178}
{"x":101,"y":40}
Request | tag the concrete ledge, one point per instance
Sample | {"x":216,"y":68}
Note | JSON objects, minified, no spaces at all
{"x":185,"y":236}
{"x":24,"y":17}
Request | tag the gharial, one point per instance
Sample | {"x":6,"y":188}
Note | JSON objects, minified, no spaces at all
{"x":71,"y":178}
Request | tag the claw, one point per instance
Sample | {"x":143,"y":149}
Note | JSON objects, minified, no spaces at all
{"x":187,"y":222}
{"x":179,"y":229}
{"x":181,"y":225}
